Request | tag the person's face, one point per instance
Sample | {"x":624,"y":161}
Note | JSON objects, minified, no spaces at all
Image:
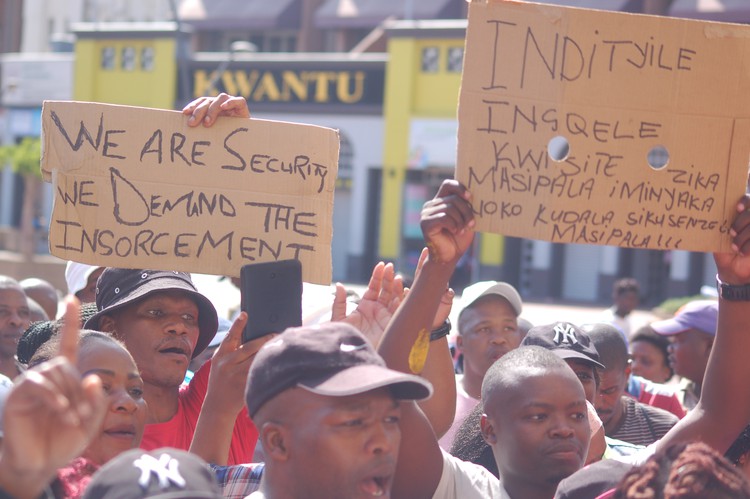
{"x":354,"y":438}
{"x":539,"y":431}
{"x":14,"y":319}
{"x":88,"y":294}
{"x":626,"y":302}
{"x":609,"y":398}
{"x":123,"y":424}
{"x":688,"y":353}
{"x":584,"y":371}
{"x":488,"y":330}
{"x":160,"y":333}
{"x":649,"y":362}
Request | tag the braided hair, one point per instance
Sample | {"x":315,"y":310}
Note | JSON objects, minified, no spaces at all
{"x":39,"y":333}
{"x":685,"y":471}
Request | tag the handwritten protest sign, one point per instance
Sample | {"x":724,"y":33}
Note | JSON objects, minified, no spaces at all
{"x":138,"y":188}
{"x":580,"y":126}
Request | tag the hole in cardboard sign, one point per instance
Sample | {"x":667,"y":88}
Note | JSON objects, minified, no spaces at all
{"x":658,"y":157}
{"x":558,"y":148}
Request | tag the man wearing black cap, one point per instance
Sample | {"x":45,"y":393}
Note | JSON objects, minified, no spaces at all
{"x":573,"y":345}
{"x":165,"y":322}
{"x":327,"y":410}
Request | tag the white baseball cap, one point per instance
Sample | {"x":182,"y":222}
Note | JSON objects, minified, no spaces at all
{"x":77,"y":275}
{"x":485,"y":288}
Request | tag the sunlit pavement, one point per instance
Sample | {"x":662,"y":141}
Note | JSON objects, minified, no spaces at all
{"x":316,"y":304}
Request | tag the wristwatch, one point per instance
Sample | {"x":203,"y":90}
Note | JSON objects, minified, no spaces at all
{"x":733,"y":292}
{"x":443,"y":330}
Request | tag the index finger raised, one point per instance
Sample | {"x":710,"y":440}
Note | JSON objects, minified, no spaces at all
{"x":70,"y":330}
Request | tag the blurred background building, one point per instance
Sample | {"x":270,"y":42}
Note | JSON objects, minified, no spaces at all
{"x":386,"y":73}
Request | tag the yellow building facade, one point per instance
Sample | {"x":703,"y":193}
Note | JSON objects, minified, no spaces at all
{"x":126,"y":63}
{"x":423,"y":79}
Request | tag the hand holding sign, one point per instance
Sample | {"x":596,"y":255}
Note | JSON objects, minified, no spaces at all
{"x":205,"y":110}
{"x":734,"y":266}
{"x":143,"y":188}
{"x":448,"y":223}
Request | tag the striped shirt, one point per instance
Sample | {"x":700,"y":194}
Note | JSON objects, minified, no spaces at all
{"x":642,"y":424}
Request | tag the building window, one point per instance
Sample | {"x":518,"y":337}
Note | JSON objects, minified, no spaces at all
{"x":430,"y":59}
{"x":108,"y":58}
{"x":147,"y":58}
{"x":455,"y":61}
{"x":128,"y":59}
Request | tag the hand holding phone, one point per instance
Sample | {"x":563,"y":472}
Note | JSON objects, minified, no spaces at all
{"x":271,"y":296}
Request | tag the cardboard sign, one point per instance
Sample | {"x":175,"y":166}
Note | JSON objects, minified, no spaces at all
{"x":138,"y":188}
{"x":581,"y":126}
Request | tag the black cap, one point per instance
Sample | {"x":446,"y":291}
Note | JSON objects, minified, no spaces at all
{"x":331,"y":359}
{"x":164,"y":473}
{"x":117,"y":288}
{"x":566,"y":340}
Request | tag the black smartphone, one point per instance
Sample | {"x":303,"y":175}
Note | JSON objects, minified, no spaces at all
{"x":271,"y":296}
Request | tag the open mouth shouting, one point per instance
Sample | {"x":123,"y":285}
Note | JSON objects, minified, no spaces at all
{"x":179,"y":351}
{"x":378,"y":482}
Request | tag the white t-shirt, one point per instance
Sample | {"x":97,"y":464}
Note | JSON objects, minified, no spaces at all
{"x":464,"y":480}
{"x":465,"y":403}
{"x":622,"y":323}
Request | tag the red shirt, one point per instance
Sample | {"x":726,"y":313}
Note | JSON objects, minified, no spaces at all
{"x":178,"y":431}
{"x":656,"y":395}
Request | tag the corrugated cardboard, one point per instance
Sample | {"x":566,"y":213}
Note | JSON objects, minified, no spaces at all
{"x":138,"y":188}
{"x":615,"y":86}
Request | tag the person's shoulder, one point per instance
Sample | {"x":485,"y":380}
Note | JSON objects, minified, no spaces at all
{"x":618,"y":448}
{"x":464,"y":480}
{"x":238,"y":480}
{"x":639,"y":457}
{"x":654,"y":388}
{"x":657,"y":395}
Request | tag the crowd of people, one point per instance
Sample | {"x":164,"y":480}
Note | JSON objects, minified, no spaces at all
{"x":117,"y":398}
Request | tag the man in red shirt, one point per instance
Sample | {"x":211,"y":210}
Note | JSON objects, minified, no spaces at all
{"x":164,"y":322}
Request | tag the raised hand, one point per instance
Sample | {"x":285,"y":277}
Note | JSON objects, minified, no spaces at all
{"x":230,"y":365}
{"x":50,"y":417}
{"x":734,"y":267}
{"x":225,"y":395}
{"x":447,"y":223}
{"x":446,"y":301}
{"x":206,"y":110}
{"x":377,"y":305}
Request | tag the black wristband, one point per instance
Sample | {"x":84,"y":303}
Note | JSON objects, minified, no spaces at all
{"x":732,"y":292}
{"x":442,"y":331}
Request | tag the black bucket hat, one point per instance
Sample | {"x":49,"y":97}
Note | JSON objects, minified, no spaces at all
{"x":117,"y":288}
